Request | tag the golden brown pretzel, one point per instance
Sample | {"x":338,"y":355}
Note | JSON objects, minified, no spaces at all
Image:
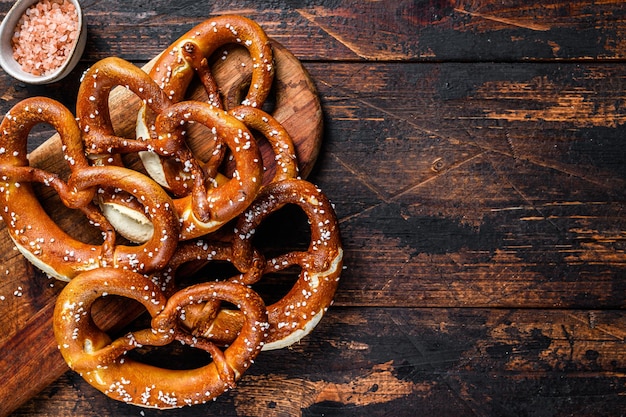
{"x":103,"y":145}
{"x":37,"y":236}
{"x":174,"y":71}
{"x":299,"y":311}
{"x":102,"y":362}
{"x":207,"y":204}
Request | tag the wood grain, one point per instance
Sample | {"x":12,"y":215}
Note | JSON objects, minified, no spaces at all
{"x":400,"y":30}
{"x":462,"y":362}
{"x":474,"y":153}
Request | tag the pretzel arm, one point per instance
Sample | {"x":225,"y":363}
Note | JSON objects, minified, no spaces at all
{"x":200,"y":64}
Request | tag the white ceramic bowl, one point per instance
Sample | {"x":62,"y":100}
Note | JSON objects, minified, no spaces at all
{"x":10,"y":65}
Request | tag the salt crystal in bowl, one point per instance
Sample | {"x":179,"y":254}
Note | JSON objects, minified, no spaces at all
{"x":40,"y":49}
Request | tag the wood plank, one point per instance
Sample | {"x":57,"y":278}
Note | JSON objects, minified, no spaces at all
{"x":444,"y":362}
{"x":433,"y":30}
{"x":477,"y":184}
{"x":481,"y":199}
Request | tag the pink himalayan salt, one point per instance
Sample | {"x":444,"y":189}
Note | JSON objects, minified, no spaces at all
{"x":44,"y":36}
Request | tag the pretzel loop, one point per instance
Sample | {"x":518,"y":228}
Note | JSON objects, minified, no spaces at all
{"x":161,"y":239}
{"x":298,"y":312}
{"x":92,"y":108}
{"x":84,"y":346}
{"x":101,"y":362}
{"x":207,"y":319}
{"x":174,"y":70}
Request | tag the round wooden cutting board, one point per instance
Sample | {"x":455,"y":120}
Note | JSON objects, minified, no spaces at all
{"x":30,"y":359}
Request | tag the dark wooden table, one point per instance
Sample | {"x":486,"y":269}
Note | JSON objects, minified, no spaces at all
{"x":476,"y":155}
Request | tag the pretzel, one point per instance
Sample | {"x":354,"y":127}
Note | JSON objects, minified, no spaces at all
{"x":37,"y":236}
{"x":102,"y":362}
{"x":298,"y":312}
{"x":207,"y":205}
{"x":174,"y":71}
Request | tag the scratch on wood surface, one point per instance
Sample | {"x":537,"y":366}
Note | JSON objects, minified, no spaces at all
{"x":351,"y":345}
{"x":358,"y":48}
{"x":510,"y":22}
{"x":352,"y":46}
{"x":362,"y":177}
{"x":542,"y":100}
{"x":616,"y":332}
{"x":289,"y":396}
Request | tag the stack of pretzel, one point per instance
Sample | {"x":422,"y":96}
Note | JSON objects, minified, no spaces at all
{"x":178,"y":209}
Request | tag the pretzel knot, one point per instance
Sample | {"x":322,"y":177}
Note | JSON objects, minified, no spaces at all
{"x":104,"y":362}
{"x":37,"y":236}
